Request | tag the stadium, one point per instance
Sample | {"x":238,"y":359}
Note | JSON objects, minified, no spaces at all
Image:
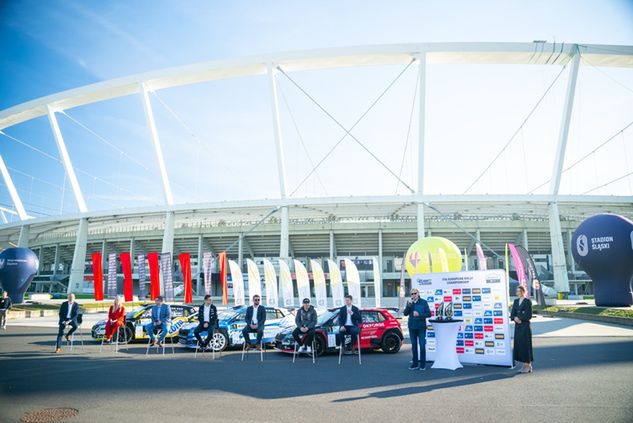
{"x":359,"y":227}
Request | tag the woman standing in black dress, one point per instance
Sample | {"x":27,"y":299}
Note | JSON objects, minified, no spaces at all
{"x":521,"y":314}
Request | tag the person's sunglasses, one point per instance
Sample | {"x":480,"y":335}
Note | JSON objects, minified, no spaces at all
{"x":256,"y":300}
{"x":414,"y":293}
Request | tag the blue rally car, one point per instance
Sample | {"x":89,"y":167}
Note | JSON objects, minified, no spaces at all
{"x":230,"y":325}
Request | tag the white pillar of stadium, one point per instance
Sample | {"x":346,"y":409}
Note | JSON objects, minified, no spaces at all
{"x":23,"y":239}
{"x":561,"y":280}
{"x":63,"y":153}
{"x":151,"y":124}
{"x":240,"y":250}
{"x":56,"y":260}
{"x":15,"y":197}
{"x":421,"y":135}
{"x":525,"y":239}
{"x":570,"y":255}
{"x":380,"y":250}
{"x":284,"y":243}
{"x":79,"y":256}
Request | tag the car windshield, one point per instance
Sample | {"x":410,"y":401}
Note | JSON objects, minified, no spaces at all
{"x":131,"y":314}
{"x":226,"y":315}
{"x":325,"y":316}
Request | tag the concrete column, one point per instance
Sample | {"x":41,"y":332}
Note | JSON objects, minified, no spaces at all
{"x":380,"y":249}
{"x":570,"y":255}
{"x":332,"y":246}
{"x":168,"y":242}
{"x":56,"y":260}
{"x":420,"y":220}
{"x":240,"y":251}
{"x":284,"y":244}
{"x":23,"y":240}
{"x":525,"y":240}
{"x":79,"y":256}
{"x":561,"y":280}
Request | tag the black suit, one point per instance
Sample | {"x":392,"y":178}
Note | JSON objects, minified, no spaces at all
{"x":350,"y":330}
{"x":5,"y":305}
{"x":261,"y":320}
{"x":65,"y":320}
{"x":212,"y":323}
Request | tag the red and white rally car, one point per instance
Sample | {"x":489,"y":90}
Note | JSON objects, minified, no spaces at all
{"x":379,"y":330}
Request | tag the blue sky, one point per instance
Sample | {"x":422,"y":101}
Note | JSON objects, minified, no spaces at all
{"x":49,"y":46}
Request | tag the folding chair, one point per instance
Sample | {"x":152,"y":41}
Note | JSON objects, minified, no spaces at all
{"x":80,"y":320}
{"x":158,"y":333}
{"x":342,"y":347}
{"x":294,"y":353}
{"x":262,"y":350}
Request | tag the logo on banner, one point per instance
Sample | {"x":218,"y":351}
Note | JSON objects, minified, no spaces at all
{"x":582,"y":245}
{"x":168,"y":281}
{"x":142,"y":275}
{"x":207,"y":261}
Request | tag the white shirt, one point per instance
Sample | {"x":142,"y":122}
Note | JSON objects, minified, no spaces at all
{"x":254,"y":319}
{"x":70,"y":310}
{"x":206,"y":312}
{"x":348,"y":322}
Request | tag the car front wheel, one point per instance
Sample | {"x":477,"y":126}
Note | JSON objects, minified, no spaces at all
{"x":390,"y":343}
{"x":219,"y":342}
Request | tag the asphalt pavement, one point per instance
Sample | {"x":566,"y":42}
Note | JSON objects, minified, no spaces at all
{"x":577,"y":378}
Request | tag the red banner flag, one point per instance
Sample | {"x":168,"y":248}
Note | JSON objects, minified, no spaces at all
{"x":126,"y":265}
{"x":185,"y":266}
{"x":225,"y":288}
{"x":154,"y":276}
{"x":97,"y":272}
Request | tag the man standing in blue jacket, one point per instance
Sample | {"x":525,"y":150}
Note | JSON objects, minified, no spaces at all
{"x":161,"y":319}
{"x":418,"y":311}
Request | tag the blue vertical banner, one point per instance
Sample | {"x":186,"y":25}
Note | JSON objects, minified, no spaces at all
{"x":167,"y":272}
{"x":142,"y":275}
{"x":112,"y":275}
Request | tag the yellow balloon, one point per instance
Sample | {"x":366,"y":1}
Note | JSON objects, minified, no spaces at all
{"x":433,"y":253}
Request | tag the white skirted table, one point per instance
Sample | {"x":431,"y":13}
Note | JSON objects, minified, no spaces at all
{"x":445,"y":342}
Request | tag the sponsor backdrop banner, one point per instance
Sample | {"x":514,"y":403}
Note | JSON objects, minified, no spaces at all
{"x":336,"y":284}
{"x":285,"y":282}
{"x":168,"y":277}
{"x":254,"y":279}
{"x":377,"y":282}
{"x":353,"y":281}
{"x":270,"y":282}
{"x":154,"y":275}
{"x":97,"y":272}
{"x":112,"y":275}
{"x":126,"y":265}
{"x":238,"y":283}
{"x":320,"y":291}
{"x":303,"y":282}
{"x":480,"y":299}
{"x":207,"y":261}
{"x":185,"y":267}
{"x":142,"y":275}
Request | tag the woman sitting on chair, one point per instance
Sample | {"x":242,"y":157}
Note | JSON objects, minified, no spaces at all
{"x":116,"y":318}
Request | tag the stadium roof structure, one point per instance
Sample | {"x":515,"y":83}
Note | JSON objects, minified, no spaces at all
{"x":415,"y":213}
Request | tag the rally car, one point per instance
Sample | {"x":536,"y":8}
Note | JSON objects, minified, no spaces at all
{"x":230,"y":325}
{"x":135,"y":319}
{"x":379,"y":330}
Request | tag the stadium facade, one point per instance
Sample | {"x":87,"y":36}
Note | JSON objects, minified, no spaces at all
{"x":320,"y":228}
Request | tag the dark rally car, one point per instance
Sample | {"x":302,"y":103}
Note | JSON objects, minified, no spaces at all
{"x":379,"y":330}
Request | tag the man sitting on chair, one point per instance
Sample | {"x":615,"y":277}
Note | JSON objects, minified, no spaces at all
{"x":255,"y":320}
{"x":305,"y":320}
{"x":349,"y":319}
{"x":161,"y":319}
{"x":207,"y":321}
{"x":67,"y":316}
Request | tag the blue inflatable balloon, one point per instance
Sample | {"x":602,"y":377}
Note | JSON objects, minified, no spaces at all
{"x":18,"y":266}
{"x":603,"y":247}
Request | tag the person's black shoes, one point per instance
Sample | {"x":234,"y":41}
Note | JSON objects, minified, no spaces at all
{"x":414,"y":367}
